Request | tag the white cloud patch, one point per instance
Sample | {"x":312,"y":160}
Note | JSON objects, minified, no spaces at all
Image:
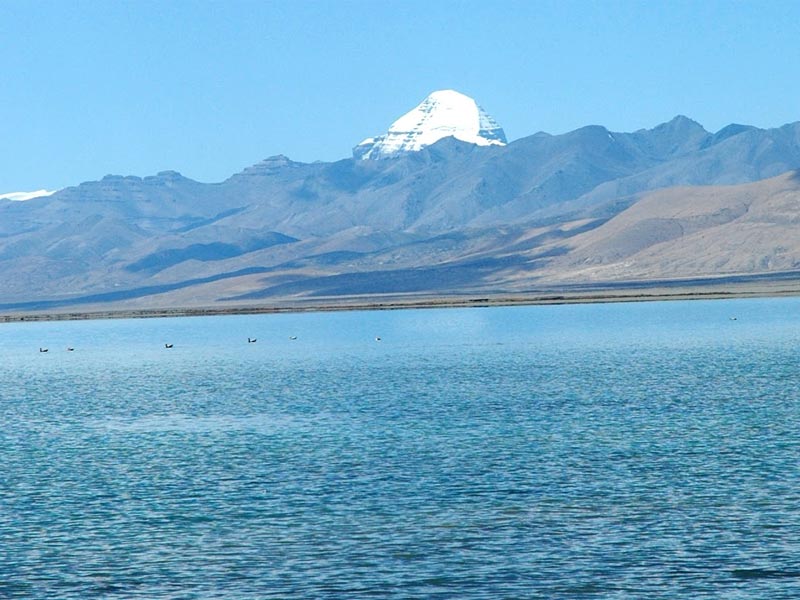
{"x":20,"y":196}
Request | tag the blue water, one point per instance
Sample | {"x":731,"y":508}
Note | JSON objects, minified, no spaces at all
{"x":598,"y":451}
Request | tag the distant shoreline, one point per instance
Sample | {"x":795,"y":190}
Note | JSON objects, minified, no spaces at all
{"x":408,"y":302}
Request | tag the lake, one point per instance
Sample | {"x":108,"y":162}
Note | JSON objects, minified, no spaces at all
{"x":641,"y":450}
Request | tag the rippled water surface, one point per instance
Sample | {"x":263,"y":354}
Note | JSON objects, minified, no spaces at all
{"x":599,"y":451}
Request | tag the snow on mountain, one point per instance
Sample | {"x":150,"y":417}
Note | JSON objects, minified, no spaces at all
{"x":20,"y":196}
{"x":442,"y":114}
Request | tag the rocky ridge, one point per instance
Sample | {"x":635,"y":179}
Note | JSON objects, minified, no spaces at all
{"x":453,"y":217}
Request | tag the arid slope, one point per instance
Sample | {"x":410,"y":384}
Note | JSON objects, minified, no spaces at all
{"x":692,"y":232}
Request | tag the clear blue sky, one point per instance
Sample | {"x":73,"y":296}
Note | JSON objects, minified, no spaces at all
{"x":207,"y":88}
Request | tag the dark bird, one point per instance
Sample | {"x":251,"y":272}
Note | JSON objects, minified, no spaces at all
{"x":168,"y":345}
{"x":377,"y":339}
{"x":42,"y":349}
{"x":70,"y":349}
{"x":251,"y":340}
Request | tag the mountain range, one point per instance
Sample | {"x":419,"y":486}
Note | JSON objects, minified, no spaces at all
{"x":589,"y":207}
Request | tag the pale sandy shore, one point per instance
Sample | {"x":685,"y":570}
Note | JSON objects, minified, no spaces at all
{"x":669,"y":292}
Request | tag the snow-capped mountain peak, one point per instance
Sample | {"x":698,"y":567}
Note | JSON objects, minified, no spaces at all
{"x":22,"y":196}
{"x":442,"y":114}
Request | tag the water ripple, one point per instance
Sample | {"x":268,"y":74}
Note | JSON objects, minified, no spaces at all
{"x":632,"y":467}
